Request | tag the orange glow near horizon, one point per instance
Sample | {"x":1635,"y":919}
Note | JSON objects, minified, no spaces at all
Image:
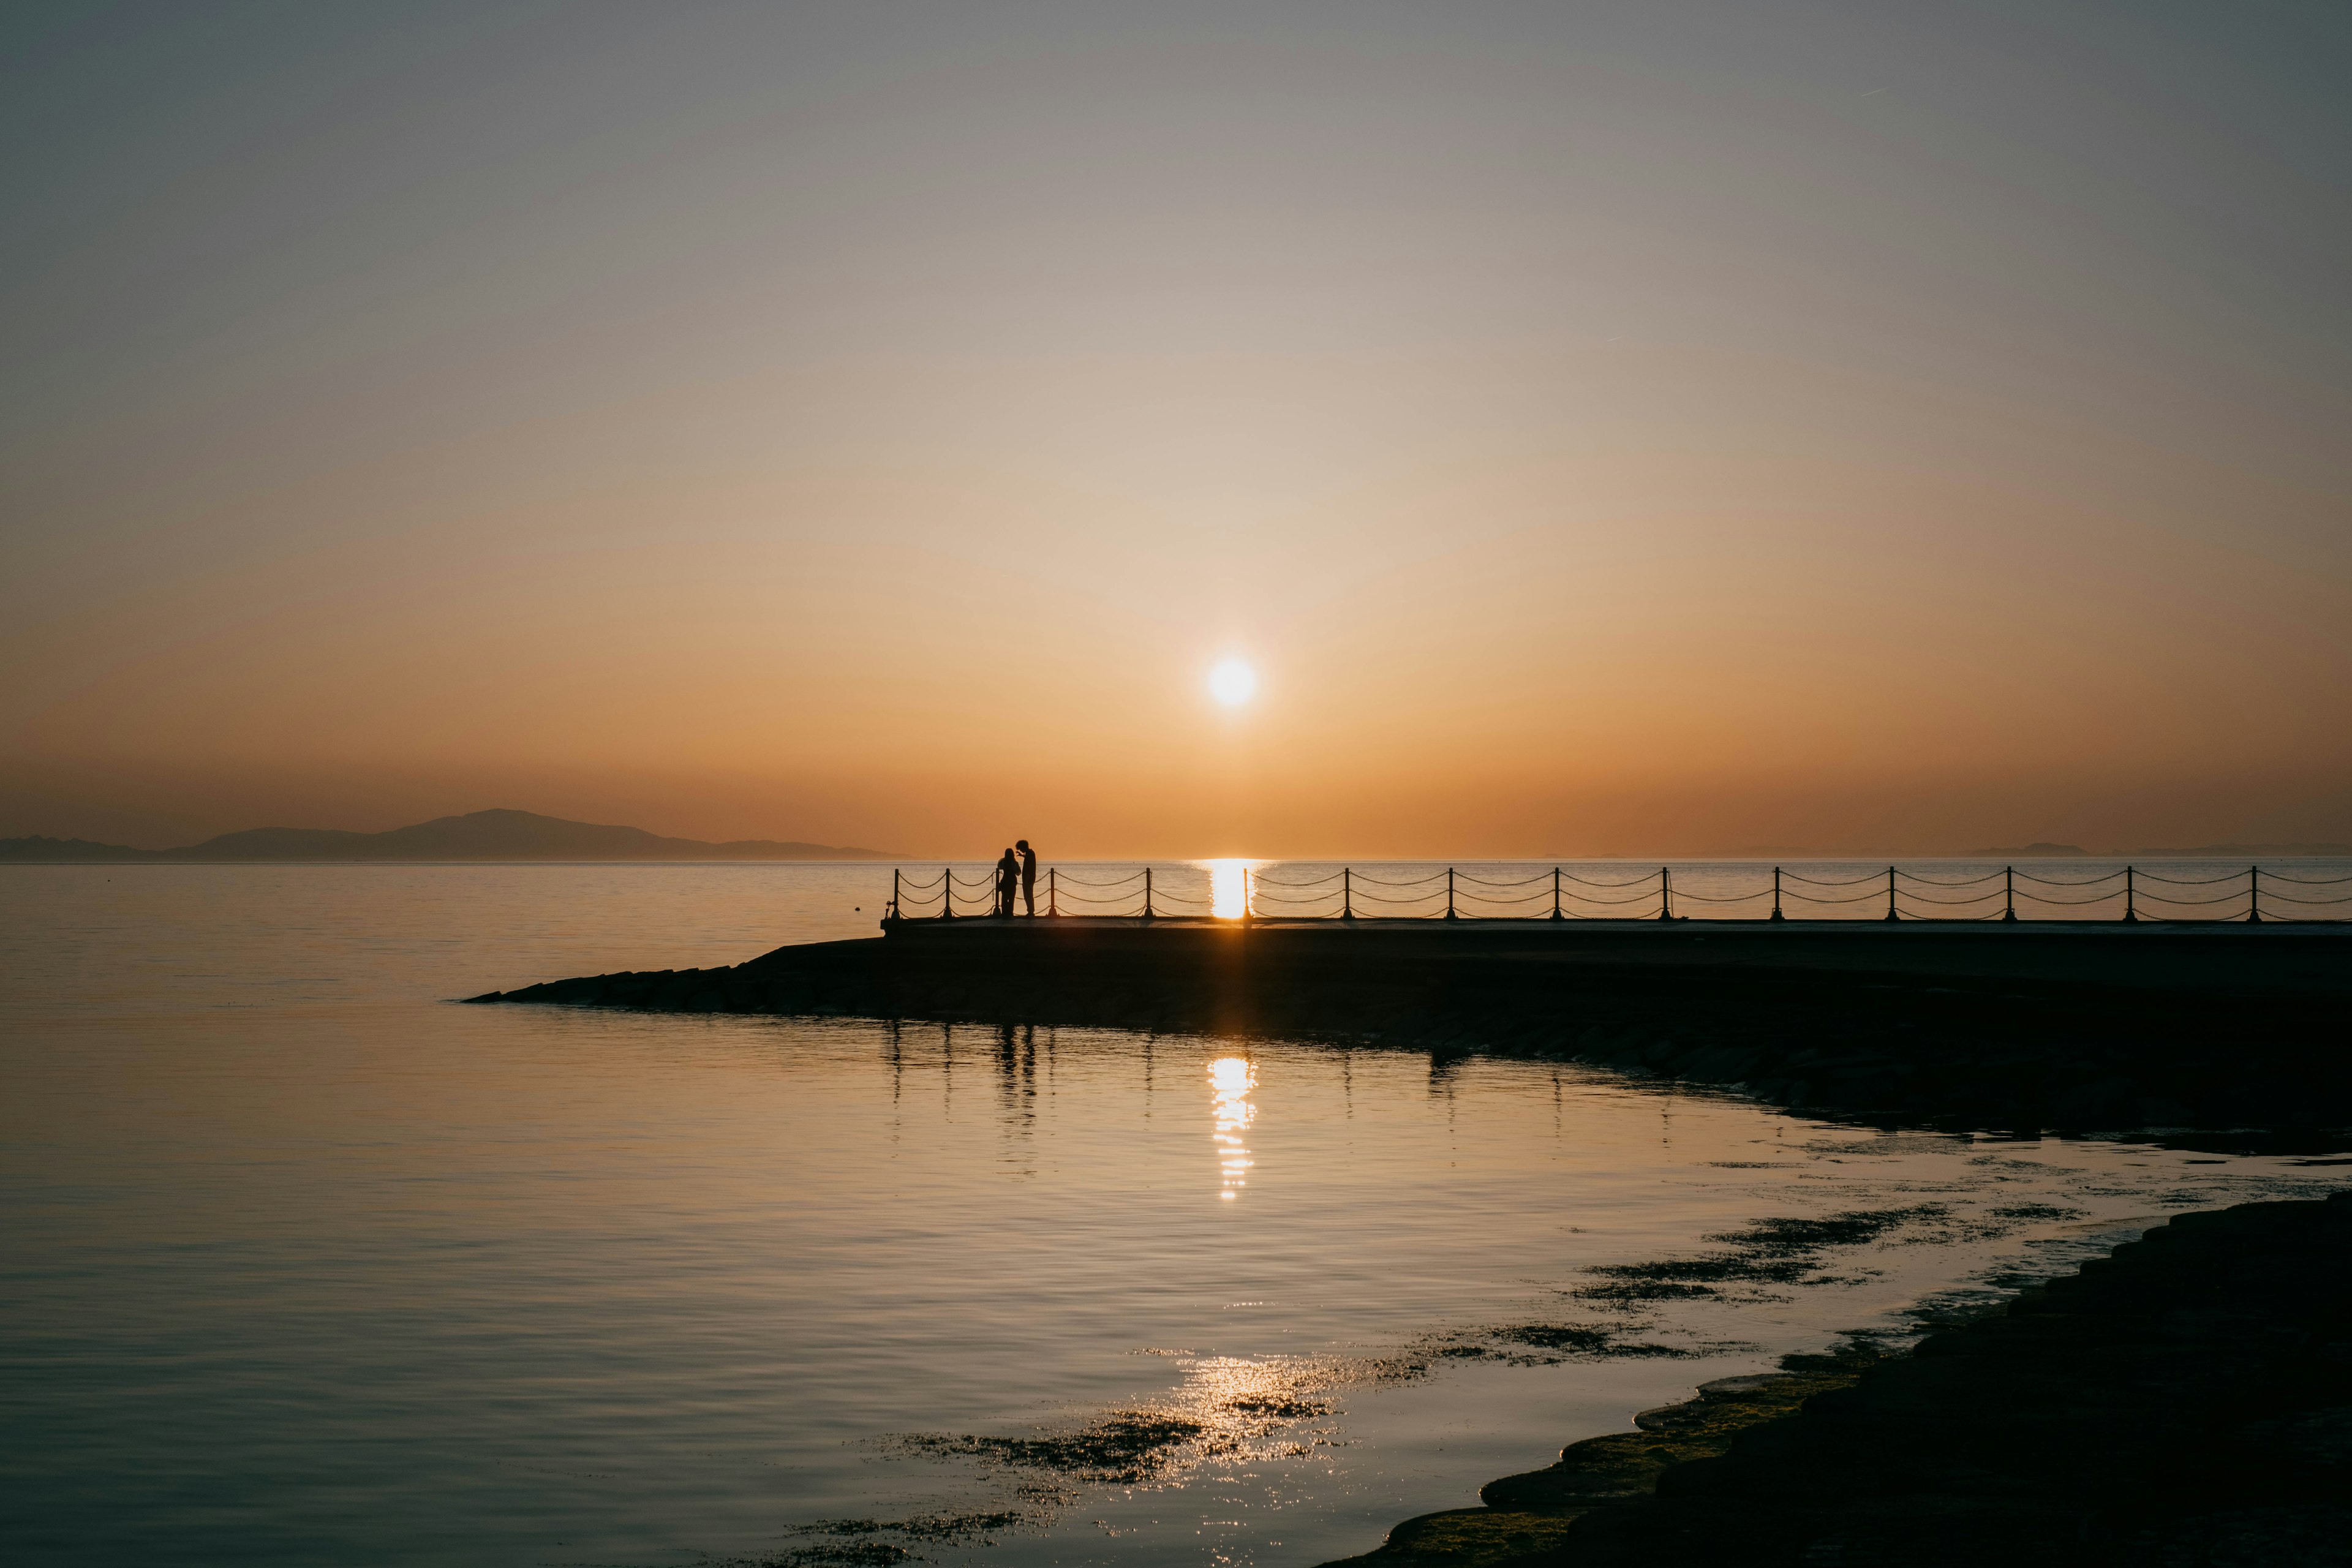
{"x":1530,"y":432}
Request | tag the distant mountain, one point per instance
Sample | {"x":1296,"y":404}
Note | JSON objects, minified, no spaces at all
{"x":2029,"y":852}
{"x":476,"y":836}
{"x":64,"y":849}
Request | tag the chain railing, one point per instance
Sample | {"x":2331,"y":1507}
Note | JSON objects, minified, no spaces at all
{"x":2128,"y":896}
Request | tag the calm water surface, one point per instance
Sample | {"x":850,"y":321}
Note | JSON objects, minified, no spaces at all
{"x":304,"y":1264}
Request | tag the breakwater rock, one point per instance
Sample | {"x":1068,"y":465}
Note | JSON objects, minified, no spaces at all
{"x":2187,"y":1400}
{"x":2080,"y":1029}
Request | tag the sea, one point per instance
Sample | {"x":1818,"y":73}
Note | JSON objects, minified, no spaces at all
{"x":302,"y":1261}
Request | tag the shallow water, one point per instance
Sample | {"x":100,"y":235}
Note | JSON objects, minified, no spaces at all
{"x":305,"y":1264}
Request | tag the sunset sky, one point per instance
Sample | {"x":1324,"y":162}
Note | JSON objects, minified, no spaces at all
{"x":1645,"y":427}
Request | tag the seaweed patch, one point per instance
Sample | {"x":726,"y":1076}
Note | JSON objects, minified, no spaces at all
{"x":1227,"y":1405}
{"x":1779,"y":1251}
{"x":870,"y":1543}
{"x":1128,"y":1448}
{"x":1549,"y":1344}
{"x":852,"y":1554}
{"x":1276,"y":1406}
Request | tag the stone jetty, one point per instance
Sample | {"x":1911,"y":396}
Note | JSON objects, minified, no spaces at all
{"x":2075,"y":1029}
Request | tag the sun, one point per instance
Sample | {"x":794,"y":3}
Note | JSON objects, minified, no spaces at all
{"x":1232,"y":683}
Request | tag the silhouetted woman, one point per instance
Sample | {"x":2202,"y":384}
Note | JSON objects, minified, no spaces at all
{"x":1008,"y":877}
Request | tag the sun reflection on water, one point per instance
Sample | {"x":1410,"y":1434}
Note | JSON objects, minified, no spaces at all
{"x":1229,"y":889}
{"x":1231,"y":1078}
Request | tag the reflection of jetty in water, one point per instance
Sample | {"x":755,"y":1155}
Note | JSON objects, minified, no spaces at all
{"x":1016,"y":1060}
{"x":1231,"y":1078}
{"x":1015,"y":1051}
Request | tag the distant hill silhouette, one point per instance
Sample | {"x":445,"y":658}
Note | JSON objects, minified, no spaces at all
{"x":498,"y":834}
{"x":54,"y":849}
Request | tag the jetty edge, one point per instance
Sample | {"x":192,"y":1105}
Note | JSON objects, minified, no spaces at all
{"x":2093,"y":1027}
{"x":2186,"y":1399}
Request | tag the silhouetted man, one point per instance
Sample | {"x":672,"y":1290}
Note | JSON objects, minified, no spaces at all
{"x":1028,"y":876}
{"x":1008,"y":873}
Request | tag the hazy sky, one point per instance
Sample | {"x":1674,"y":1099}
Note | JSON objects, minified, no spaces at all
{"x":1645,"y":428}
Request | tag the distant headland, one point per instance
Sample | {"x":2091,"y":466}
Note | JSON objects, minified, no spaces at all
{"x":498,"y":834}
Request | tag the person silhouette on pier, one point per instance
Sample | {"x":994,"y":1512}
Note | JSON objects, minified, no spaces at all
{"x":1008,"y":875}
{"x":1028,"y":877}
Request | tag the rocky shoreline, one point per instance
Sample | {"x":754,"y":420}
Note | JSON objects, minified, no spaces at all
{"x":2186,"y":1401}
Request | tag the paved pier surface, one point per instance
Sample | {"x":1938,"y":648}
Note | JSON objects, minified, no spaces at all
{"x":2267,"y":960}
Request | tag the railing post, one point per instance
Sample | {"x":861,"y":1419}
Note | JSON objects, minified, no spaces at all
{"x":2255,"y":895}
{"x":1053,"y":890}
{"x":1449,"y":892}
{"x":1776,"y":892}
{"x":1147,"y":892}
{"x":1347,"y":893}
{"x":1555,"y":895}
{"x":947,"y":892}
{"x":2131,"y":916}
{"x":894,"y":893}
{"x":2009,"y":895}
{"x":1890,"y":895}
{"x":1666,"y":892}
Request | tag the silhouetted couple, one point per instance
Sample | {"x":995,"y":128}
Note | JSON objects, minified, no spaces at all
{"x":1016,"y":872}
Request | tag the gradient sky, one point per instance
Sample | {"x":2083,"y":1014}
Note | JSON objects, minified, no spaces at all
{"x":1646,"y":427}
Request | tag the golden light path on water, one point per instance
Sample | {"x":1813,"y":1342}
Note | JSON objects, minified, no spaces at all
{"x":1231,"y":1078}
{"x":1229,"y":888}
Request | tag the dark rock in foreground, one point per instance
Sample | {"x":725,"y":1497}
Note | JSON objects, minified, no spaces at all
{"x":2186,"y":1401}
